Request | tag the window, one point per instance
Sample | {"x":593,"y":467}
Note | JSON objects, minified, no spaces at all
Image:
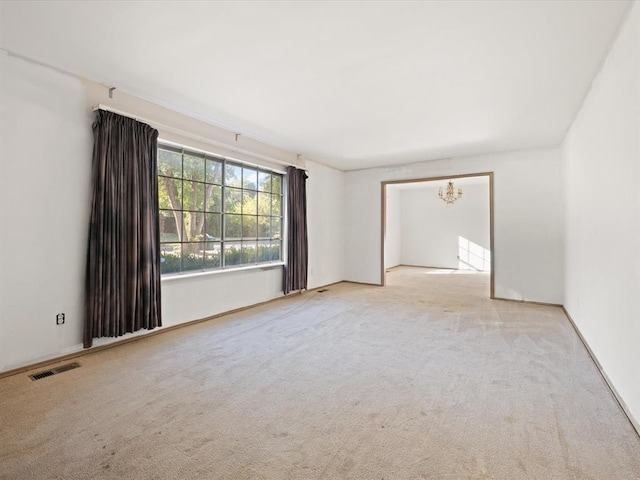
{"x":216,"y":213}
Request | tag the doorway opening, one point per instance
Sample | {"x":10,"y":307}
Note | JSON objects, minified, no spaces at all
{"x":419,"y":229}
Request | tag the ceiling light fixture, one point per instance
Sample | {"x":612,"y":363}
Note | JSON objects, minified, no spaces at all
{"x":450,"y":197}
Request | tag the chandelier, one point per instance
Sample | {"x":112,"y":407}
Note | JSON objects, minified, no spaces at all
{"x":450,"y":197}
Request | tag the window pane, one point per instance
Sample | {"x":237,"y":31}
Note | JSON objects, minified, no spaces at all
{"x":275,"y":205}
{"x":248,"y":252}
{"x":250,"y":178}
{"x":213,"y":172}
{"x":264,"y":227}
{"x":264,"y":251}
{"x":275,"y":227}
{"x":264,"y":204}
{"x":193,"y":226}
{"x":212,"y":227}
{"x":213,"y":202}
{"x":193,"y":168}
{"x":264,"y":181}
{"x":169,"y":163}
{"x":249,"y":203}
{"x":232,"y":227}
{"x":170,"y":193}
{"x":233,"y":175}
{"x":170,"y":226}
{"x":212,"y":255}
{"x":249,"y":226}
{"x":192,"y":256}
{"x":275,"y":251}
{"x":232,"y":200}
{"x":232,"y":253}
{"x":170,"y":257}
{"x":193,"y":196}
{"x":276,"y":183}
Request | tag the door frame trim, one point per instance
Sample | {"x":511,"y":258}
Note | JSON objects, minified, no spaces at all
{"x":383,"y":215}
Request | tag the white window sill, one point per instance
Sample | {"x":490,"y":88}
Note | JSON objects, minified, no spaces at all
{"x":203,"y":273}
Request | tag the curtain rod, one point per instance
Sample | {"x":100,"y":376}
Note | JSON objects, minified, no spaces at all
{"x":192,"y":136}
{"x":151,"y":122}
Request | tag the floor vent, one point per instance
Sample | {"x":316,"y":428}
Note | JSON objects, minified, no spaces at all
{"x":40,"y":375}
{"x":54,"y":371}
{"x":323,"y":290}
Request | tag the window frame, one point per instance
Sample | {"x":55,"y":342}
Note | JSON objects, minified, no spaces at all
{"x":222,"y":242}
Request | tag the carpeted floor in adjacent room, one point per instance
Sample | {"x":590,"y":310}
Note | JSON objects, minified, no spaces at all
{"x":423,"y":379}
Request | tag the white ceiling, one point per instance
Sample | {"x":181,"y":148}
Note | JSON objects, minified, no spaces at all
{"x":351,"y":84}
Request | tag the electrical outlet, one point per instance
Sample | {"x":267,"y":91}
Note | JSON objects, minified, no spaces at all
{"x":60,"y":319}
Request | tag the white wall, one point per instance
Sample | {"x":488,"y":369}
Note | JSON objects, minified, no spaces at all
{"x":44,"y":199}
{"x":431,"y":230}
{"x":44,"y":196}
{"x":325,"y":207}
{"x":601,"y":160}
{"x":528,"y":215}
{"x":393,"y":228}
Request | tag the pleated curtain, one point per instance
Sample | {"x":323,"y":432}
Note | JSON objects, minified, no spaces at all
{"x":122,"y":288}
{"x":295,"y":271}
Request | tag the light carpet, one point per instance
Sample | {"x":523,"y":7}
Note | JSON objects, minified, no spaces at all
{"x":423,"y":379}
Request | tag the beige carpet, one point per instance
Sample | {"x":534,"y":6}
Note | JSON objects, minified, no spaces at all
{"x":423,"y":379}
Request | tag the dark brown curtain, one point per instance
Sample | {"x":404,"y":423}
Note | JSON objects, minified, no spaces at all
{"x":295,"y":272}
{"x":122,"y":287}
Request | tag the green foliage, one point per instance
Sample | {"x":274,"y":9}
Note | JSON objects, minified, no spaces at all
{"x":170,"y":261}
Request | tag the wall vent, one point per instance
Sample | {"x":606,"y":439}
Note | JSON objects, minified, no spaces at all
{"x":54,"y":371}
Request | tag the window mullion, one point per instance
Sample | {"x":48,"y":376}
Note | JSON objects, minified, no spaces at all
{"x":223,"y":211}
{"x":181,"y":210}
{"x":205,"y":243}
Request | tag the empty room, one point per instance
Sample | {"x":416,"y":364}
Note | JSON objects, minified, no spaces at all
{"x":320,"y":240}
